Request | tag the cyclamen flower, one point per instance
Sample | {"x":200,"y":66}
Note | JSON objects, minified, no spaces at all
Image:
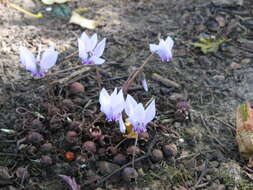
{"x":137,"y":115}
{"x":39,"y":65}
{"x":71,"y":182}
{"x":89,"y":51}
{"x":163,"y":49}
{"x":112,"y":105}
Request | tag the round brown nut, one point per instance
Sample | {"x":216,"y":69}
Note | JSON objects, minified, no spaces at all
{"x":76,"y":88}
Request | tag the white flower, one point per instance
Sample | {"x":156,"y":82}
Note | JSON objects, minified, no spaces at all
{"x":89,"y":51}
{"x":112,"y":105}
{"x":138,"y":116}
{"x":163,"y":49}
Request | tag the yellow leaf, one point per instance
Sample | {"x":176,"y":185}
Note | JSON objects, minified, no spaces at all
{"x":129,"y":130}
{"x":83,"y":22}
{"x":50,"y":2}
{"x":208,"y":45}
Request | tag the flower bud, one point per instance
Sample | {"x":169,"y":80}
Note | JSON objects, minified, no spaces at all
{"x":89,"y":146}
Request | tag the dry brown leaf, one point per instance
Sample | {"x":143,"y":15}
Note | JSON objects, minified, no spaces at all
{"x":50,"y":2}
{"x":83,"y":22}
{"x":130,"y":133}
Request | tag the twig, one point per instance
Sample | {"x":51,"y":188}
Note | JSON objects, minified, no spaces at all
{"x":131,"y":78}
{"x":165,"y":81}
{"x":135,"y":145}
{"x":152,"y":144}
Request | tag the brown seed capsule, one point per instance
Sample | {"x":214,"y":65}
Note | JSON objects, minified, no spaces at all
{"x":143,"y":136}
{"x":129,"y":174}
{"x":111,"y":150}
{"x":47,"y":160}
{"x":95,"y":132}
{"x":170,"y":150}
{"x":133,"y":150}
{"x":89,"y":146}
{"x":68,"y":105}
{"x":22,"y":173}
{"x":104,"y":140}
{"x":37,"y":124}
{"x":34,"y":138}
{"x":71,"y":137}
{"x":47,"y":147}
{"x":75,"y":125}
{"x":76,"y":88}
{"x":119,"y":159}
{"x":157,"y":155}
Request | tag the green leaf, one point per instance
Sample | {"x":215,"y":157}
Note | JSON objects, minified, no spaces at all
{"x":244,"y":111}
{"x":208,"y":45}
{"x":62,"y":11}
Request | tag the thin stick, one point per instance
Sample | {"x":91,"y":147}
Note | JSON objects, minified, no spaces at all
{"x":131,"y":78}
{"x":135,"y":145}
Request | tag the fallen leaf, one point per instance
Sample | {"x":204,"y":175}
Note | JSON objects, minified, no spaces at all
{"x":129,"y":130}
{"x":50,"y":2}
{"x":208,"y":45}
{"x":83,"y":22}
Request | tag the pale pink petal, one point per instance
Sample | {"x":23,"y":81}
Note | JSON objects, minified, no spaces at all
{"x":96,"y":60}
{"x":28,"y":59}
{"x":153,"y":47}
{"x":98,"y":51}
{"x":122,"y":126}
{"x":130,"y":105}
{"x":93,"y":41}
{"x":82,"y":50}
{"x":150,"y":112}
{"x":48,"y":59}
{"x":145,"y":84}
{"x":169,"y":43}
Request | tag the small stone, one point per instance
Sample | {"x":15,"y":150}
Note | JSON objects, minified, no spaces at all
{"x":170,"y":150}
{"x":212,"y":25}
{"x":235,"y":66}
{"x":129,"y":174}
{"x":221,"y":20}
{"x":47,"y":160}
{"x":89,"y":146}
{"x":157,"y":155}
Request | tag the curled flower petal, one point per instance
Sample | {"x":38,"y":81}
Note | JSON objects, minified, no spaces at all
{"x":122,"y":126}
{"x":98,"y":51}
{"x":27,"y":59}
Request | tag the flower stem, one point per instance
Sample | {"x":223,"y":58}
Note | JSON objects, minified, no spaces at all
{"x":135,"y":145}
{"x":131,"y":78}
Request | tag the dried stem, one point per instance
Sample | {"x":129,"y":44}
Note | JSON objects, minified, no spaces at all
{"x":135,"y":145}
{"x":131,"y":78}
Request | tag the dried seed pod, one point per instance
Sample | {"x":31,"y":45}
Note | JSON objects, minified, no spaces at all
{"x":111,"y":150}
{"x":143,"y":137}
{"x":55,"y":123}
{"x":129,"y":174}
{"x":37,"y":124}
{"x":170,"y":150}
{"x":92,"y":180}
{"x":95,"y":132}
{"x":34,"y":138}
{"x":76,"y":88}
{"x":133,"y":150}
{"x":67,"y":104}
{"x":70,"y":156}
{"x":119,"y":159}
{"x":47,"y":147}
{"x":22,"y":173}
{"x":81,"y":159}
{"x":156,"y":155}
{"x":47,"y":160}
{"x":89,"y":146}
{"x":182,"y":113}
{"x":104,"y":140}
{"x":71,"y":137}
{"x":75,"y":125}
